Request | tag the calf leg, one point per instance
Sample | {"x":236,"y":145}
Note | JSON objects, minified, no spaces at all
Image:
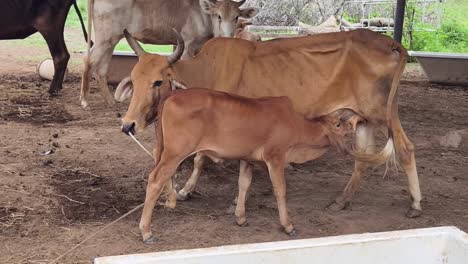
{"x":245,"y":178}
{"x":192,"y":181}
{"x":276,"y":171}
{"x":58,"y":50}
{"x":365,"y":141}
{"x":159,"y":177}
{"x":171,"y":200}
{"x":405,"y":154}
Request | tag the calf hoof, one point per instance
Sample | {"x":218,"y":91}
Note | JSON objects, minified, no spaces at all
{"x":413,"y":213}
{"x":170,"y":204}
{"x":150,"y":241}
{"x":336,"y":207}
{"x":182,"y":196}
{"x":242,"y":222}
{"x":84,"y":103}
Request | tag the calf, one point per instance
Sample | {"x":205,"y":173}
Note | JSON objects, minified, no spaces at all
{"x":20,"y":19}
{"x":221,"y":125}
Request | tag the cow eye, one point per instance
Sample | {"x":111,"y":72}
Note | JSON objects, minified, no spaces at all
{"x":237,"y":18}
{"x":219,"y":17}
{"x":157,"y":83}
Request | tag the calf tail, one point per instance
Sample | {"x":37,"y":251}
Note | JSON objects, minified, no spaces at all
{"x":77,"y":9}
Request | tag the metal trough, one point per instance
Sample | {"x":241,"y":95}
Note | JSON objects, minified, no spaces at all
{"x":444,"y":68}
{"x":121,"y":65}
{"x":440,"y":245}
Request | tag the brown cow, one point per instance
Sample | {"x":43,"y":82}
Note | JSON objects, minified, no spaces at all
{"x":359,"y":70}
{"x":234,"y":127}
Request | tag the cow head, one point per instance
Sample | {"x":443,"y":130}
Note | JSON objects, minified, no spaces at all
{"x":225,"y":14}
{"x":151,"y":80}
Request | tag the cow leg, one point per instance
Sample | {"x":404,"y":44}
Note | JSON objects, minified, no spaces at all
{"x":245,"y":178}
{"x":365,"y":141}
{"x":159,"y":177}
{"x":276,"y":171}
{"x":405,"y":154}
{"x":59,"y":52}
{"x":98,"y":60}
{"x":189,"y":187}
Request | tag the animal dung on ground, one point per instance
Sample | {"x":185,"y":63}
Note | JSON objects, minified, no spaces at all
{"x":45,"y":69}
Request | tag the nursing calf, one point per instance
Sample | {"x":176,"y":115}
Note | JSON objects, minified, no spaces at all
{"x":221,"y":125}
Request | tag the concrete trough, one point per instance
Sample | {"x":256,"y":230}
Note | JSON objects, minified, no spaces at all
{"x":444,"y":68}
{"x":439,"y":245}
{"x":121,"y":65}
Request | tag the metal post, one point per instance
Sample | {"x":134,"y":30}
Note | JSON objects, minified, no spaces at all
{"x":399,"y":17}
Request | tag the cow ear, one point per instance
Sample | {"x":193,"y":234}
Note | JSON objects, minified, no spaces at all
{"x":209,"y":6}
{"x":248,"y":12}
{"x":124,"y":90}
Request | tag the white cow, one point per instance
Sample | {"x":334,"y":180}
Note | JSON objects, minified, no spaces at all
{"x":152,"y":21}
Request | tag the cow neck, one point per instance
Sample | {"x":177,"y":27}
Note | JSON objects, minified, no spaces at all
{"x":191,"y":72}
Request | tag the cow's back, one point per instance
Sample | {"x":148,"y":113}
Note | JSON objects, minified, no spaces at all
{"x":320,"y":73}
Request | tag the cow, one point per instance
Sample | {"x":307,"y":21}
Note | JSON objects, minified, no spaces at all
{"x":222,"y":125}
{"x":152,"y":22}
{"x":242,"y":33}
{"x":20,"y":19}
{"x":320,"y":74}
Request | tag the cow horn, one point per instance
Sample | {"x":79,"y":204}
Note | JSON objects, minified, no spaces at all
{"x":133,"y":43}
{"x":175,"y":56}
{"x":241,"y":2}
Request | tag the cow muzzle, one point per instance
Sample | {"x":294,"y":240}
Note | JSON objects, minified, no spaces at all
{"x":129,"y":128}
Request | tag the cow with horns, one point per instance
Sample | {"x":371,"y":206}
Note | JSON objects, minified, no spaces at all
{"x":151,"y":21}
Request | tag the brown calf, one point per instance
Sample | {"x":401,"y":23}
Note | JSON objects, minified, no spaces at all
{"x":221,"y":125}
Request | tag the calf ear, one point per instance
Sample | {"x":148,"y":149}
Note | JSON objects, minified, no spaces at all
{"x":124,"y":90}
{"x":248,"y":12}
{"x":209,"y":6}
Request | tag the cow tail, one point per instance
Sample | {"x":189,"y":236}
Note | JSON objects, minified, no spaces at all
{"x":77,"y":9}
{"x":387,"y":154}
{"x":90,"y":23}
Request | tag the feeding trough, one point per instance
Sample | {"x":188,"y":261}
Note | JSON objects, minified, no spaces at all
{"x":444,"y":68}
{"x":440,"y":245}
{"x":121,"y":65}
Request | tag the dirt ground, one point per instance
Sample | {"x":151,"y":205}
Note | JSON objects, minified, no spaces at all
{"x":66,"y":172}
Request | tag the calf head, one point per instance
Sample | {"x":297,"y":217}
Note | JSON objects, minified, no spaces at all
{"x":225,"y":14}
{"x":151,"y":81}
{"x":339,"y":123}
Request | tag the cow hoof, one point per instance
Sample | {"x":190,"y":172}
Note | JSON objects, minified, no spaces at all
{"x":182,"y":196}
{"x":150,"y":241}
{"x":336,"y":207}
{"x":413,"y":213}
{"x":292,"y":232}
{"x":242,"y":222}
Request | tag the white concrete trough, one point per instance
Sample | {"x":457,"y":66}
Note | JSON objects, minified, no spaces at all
{"x":121,"y":65}
{"x":444,"y":68}
{"x":439,"y":245}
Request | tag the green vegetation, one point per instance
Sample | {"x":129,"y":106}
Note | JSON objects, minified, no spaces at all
{"x":452,"y":36}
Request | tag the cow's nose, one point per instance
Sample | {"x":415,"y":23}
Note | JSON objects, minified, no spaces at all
{"x":129,"y":128}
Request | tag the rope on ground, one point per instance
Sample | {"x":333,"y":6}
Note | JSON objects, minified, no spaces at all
{"x":98,"y":232}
